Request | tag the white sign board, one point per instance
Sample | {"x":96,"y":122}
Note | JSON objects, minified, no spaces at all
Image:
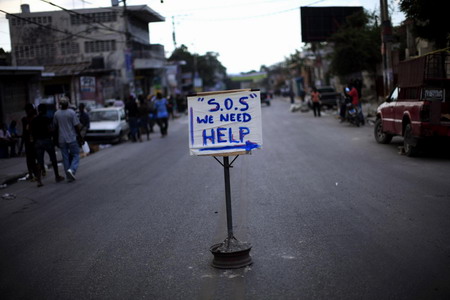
{"x":225,"y":123}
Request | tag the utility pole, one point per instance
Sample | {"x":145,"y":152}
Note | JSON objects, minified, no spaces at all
{"x":128,"y":52}
{"x":386,"y":47}
{"x":173,"y":33}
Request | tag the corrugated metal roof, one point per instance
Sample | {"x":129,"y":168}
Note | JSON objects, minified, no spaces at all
{"x":66,"y":69}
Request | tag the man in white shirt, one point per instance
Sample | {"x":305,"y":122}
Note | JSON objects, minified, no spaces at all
{"x":69,"y":138}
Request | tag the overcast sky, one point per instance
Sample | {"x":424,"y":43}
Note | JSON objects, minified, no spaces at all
{"x":245,"y":33}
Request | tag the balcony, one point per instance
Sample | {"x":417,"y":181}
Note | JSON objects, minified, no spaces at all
{"x":152,"y":57}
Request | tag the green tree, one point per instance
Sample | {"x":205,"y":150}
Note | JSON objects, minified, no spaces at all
{"x":182,"y":54}
{"x":430,"y":20}
{"x":208,"y":66}
{"x":295,"y":60}
{"x":356,"y":46}
{"x":5,"y":58}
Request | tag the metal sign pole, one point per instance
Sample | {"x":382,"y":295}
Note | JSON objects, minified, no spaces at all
{"x":231,"y":253}
{"x":226,"y":169}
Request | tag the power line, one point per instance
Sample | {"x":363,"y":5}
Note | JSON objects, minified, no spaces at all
{"x":69,"y":34}
{"x":251,"y":17}
{"x":90,"y":19}
{"x":234,"y":5}
{"x":48,"y":26}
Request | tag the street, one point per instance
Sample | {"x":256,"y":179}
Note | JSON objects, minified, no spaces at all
{"x":330,"y":214}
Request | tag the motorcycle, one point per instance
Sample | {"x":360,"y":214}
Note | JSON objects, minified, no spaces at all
{"x":353,"y":114}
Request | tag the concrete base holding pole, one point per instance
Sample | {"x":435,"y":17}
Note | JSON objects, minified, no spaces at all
{"x":231,"y":254}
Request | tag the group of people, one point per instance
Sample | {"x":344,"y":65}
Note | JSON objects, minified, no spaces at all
{"x":67,"y":129}
{"x":142,"y":114}
{"x":41,"y":133}
{"x":351,"y":95}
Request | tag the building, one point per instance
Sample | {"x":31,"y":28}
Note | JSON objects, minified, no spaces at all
{"x":89,"y":54}
{"x":18,"y":86}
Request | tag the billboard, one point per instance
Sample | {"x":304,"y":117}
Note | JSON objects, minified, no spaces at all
{"x":320,"y":23}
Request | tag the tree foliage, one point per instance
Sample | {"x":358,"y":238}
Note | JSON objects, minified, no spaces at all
{"x":356,"y":46}
{"x":5,"y":58}
{"x":430,"y":20}
{"x":294,"y":60}
{"x":182,"y":54}
{"x":208,"y":66}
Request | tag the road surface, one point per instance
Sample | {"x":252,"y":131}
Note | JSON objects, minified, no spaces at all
{"x":330,"y":215}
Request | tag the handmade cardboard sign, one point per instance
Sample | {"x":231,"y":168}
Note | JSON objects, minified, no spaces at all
{"x":225,"y":123}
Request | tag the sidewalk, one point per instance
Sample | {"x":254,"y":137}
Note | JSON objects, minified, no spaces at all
{"x":13,"y":168}
{"x":369,"y":109}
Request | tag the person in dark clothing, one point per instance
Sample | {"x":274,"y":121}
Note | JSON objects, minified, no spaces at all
{"x":30,"y":151}
{"x":7,"y":141}
{"x":181,"y":103}
{"x":143,"y":118}
{"x":152,"y":112}
{"x":84,"y":119}
{"x":132,"y":111}
{"x":42,"y":133}
{"x":315,"y":98}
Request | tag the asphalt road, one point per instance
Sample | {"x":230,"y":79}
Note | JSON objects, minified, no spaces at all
{"x":330,"y":215}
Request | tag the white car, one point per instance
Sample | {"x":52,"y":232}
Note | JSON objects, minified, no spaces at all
{"x":107,"y":125}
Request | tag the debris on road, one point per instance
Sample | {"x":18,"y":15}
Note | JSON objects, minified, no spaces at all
{"x":8,"y":196}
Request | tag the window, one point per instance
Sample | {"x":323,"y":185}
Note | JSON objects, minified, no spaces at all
{"x":99,"y":46}
{"x":69,"y":48}
{"x":394,"y":95}
{"x":45,"y":20}
{"x":35,"y":51}
{"x":89,"y":18}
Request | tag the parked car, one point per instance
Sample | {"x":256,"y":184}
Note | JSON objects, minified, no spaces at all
{"x":329,"y":97}
{"x":107,"y":125}
{"x":114,"y":103}
{"x":419,"y":107}
{"x":90,"y":104}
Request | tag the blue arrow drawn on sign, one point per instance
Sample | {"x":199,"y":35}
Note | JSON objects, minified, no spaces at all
{"x":248,"y":146}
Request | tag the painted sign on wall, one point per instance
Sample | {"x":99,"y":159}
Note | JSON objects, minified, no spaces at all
{"x":225,"y":122}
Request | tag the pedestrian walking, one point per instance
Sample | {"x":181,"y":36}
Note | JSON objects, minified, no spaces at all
{"x":27,"y":139}
{"x":132,"y":111}
{"x":42,"y":133}
{"x":12,"y":128}
{"x":291,"y":94}
{"x":144,"y":112}
{"x":152,"y":112}
{"x":180,"y":103}
{"x":162,"y":115}
{"x":7,"y":141}
{"x":85,"y":121}
{"x":315,"y":98}
{"x":69,"y":137}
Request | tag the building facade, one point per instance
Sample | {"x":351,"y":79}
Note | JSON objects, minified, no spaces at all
{"x":89,"y":54}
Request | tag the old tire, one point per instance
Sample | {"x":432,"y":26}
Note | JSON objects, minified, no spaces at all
{"x":381,"y":136}
{"x":410,"y":149}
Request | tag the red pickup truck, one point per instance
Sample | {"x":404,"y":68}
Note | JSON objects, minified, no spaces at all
{"x":419,"y":107}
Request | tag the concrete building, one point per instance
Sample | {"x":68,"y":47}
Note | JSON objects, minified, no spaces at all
{"x":18,"y":86}
{"x":89,"y":54}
